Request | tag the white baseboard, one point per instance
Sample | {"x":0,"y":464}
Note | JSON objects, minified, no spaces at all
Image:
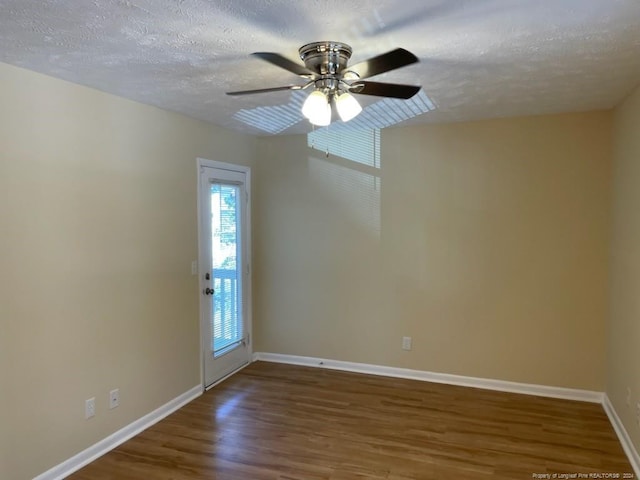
{"x":87,"y":456}
{"x":487,"y":384}
{"x":623,"y":436}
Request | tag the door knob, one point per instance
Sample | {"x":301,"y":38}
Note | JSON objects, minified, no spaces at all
{"x":208,"y":291}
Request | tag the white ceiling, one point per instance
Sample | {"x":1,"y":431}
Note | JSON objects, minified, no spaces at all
{"x":478,"y":58}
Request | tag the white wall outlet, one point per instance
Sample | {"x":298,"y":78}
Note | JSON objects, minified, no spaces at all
{"x":114,"y":398}
{"x":90,"y":407}
{"x":628,"y":396}
{"x":194,"y":267}
{"x":406,"y":343}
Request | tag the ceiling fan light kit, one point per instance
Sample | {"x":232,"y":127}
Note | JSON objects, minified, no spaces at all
{"x":325,"y":69}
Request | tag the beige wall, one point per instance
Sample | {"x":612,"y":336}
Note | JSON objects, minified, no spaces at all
{"x":98,"y":218}
{"x":624,"y":329}
{"x":486,"y":242}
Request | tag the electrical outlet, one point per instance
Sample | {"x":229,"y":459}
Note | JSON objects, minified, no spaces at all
{"x":114,"y":398}
{"x":194,"y":267}
{"x":406,"y":343}
{"x":90,"y":407}
{"x":628,"y":396}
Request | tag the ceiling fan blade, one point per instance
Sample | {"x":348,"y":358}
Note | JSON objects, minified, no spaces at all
{"x":282,"y":62}
{"x":393,"y":90}
{"x":267,"y":90}
{"x":383,"y":63}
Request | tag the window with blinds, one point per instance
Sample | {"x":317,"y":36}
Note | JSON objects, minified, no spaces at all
{"x":226,"y":319}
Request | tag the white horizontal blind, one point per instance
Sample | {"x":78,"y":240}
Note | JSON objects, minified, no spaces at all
{"x":361,"y":146}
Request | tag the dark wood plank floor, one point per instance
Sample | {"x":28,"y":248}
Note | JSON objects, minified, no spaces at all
{"x":285,"y":422}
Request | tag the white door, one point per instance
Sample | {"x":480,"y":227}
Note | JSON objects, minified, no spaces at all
{"x":223,"y":204}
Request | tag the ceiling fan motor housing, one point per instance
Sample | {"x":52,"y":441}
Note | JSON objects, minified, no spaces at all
{"x":325,"y":58}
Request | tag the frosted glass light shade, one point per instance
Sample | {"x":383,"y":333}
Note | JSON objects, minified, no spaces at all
{"x":323,"y":117}
{"x":317,"y":109}
{"x":314,"y":105}
{"x":347,"y":106}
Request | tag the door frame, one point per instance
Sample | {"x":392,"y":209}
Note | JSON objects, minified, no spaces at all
{"x":247,"y":284}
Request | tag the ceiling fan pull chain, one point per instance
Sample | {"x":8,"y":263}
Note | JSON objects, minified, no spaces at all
{"x":328,"y":137}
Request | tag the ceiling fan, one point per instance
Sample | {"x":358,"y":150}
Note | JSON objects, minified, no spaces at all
{"x":325,"y":68}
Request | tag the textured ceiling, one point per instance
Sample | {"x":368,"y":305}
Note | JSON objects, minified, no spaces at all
{"x":478,"y":58}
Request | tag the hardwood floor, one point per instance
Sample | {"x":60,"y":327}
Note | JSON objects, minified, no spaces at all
{"x":284,"y":422}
